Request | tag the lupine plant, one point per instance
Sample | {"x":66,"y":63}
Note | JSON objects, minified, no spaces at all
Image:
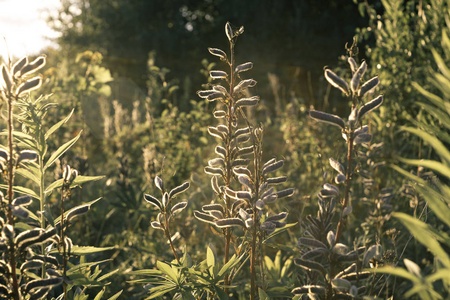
{"x":333,"y":268}
{"x":242,"y":185}
{"x":29,"y":236}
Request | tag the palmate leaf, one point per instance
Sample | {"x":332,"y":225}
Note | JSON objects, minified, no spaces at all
{"x":61,"y":150}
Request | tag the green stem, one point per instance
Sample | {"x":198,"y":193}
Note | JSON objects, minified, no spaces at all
{"x":169,"y":237}
{"x":10,"y":192}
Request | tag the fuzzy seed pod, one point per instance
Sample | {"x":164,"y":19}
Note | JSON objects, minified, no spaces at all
{"x":152,"y":200}
{"x":230,"y":222}
{"x":229,"y":31}
{"x":33,"y":66}
{"x":179,"y":207}
{"x":369,"y":106}
{"x":244,"y":67}
{"x":218,"y":52}
{"x":205,"y":217}
{"x":356,"y":79}
{"x":368,"y":86}
{"x":337,"y":81}
{"x":216,"y":74}
{"x":179,"y":189}
{"x":29,"y":85}
{"x":252,"y":101}
{"x":327,"y":118}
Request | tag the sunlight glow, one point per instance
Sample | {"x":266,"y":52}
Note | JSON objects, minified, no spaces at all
{"x":23,"y":25}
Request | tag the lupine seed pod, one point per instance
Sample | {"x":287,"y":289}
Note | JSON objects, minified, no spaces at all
{"x":216,"y":214}
{"x":245,"y":151}
{"x":337,"y":81}
{"x":337,"y":166}
{"x":357,"y":276}
{"x":241,"y":131}
{"x":374,"y":251}
{"x":6,"y":78}
{"x":244,"y":195}
{"x":249,"y":223}
{"x":28,"y":86}
{"x":52,"y":272}
{"x":22,"y":200}
{"x":47,"y":259}
{"x":165,"y":199}
{"x":327,"y":193}
{"x":272,"y":167}
{"x":8,"y":232}
{"x":276,"y":180}
{"x":369,"y":106}
{"x":213,"y":207}
{"x":363,"y":129}
{"x":348,"y":270}
{"x":215,"y":132}
{"x":218,"y":52}
{"x":31,"y":264}
{"x":310,"y":265}
{"x":205,"y":217}
{"x":205,"y":93}
{"x":156,"y":225}
{"x":152,"y":200}
{"x":331,"y":238}
{"x":311,"y":254}
{"x":78,"y":211}
{"x":179,"y":207}
{"x":27,"y":155}
{"x":221,"y":151}
{"x":260,"y":204}
{"x":340,"y":248}
{"x":214,"y":171}
{"x":267,"y":193}
{"x":309,"y":289}
{"x":27,"y":235}
{"x":33,"y":66}
{"x":19,"y":65}
{"x":229,"y":31}
{"x":215,"y":185}
{"x":310,"y":243}
{"x":278,"y":217}
{"x":219,"y":114}
{"x":243,"y":214}
{"x":353,"y":66}
{"x":246,"y":83}
{"x":327,"y":118}
{"x":270,"y":198}
{"x":252,"y":101}
{"x":240,"y":162}
{"x":223,"y":129}
{"x":220,"y":89}
{"x":285,"y":193}
{"x":340,"y":178}
{"x":368,"y":86}
{"x":362,"y":138}
{"x":4,"y":154}
{"x":216,"y":162}
{"x":230,"y":222}
{"x":216,"y":96}
{"x":341,"y":284}
{"x":244,"y":180}
{"x":356,"y":79}
{"x":331,"y":187}
{"x":40,"y":283}
{"x":268,"y":227}
{"x":159,"y":183}
{"x":242,"y":171}
{"x":242,"y":138}
{"x":20,"y":212}
{"x":179,"y":189}
{"x":244,"y":67}
{"x":217,"y":74}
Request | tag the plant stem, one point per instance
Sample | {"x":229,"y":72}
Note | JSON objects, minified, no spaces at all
{"x":169,"y":237}
{"x":12,"y":258}
{"x":253,"y":262}
{"x":64,"y":257}
{"x":347,"y":185}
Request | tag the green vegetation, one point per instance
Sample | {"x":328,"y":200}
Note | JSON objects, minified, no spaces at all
{"x":119,"y":182}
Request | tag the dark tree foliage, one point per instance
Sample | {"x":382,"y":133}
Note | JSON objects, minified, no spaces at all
{"x":313,"y":32}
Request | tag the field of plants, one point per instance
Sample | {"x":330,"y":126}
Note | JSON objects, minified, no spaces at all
{"x":184,"y":156}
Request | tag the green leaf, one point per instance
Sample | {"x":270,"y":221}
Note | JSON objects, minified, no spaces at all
{"x":58,"y":125}
{"x":61,"y":150}
{"x":100,"y":294}
{"x":400,"y":272}
{"x":425,"y":236}
{"x":21,"y":190}
{"x":278,"y":231}
{"x":109,"y":274}
{"x":437,"y":145}
{"x":210,"y":258}
{"x":79,"y":180}
{"x":430,"y":164}
{"x":115,"y":296}
{"x":168,"y":270}
{"x":263,"y":295}
{"x":229,"y":265}
{"x":28,"y":175}
{"x":84,"y":250}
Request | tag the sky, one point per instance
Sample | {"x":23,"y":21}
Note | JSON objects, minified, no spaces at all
{"x":22,"y":23}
